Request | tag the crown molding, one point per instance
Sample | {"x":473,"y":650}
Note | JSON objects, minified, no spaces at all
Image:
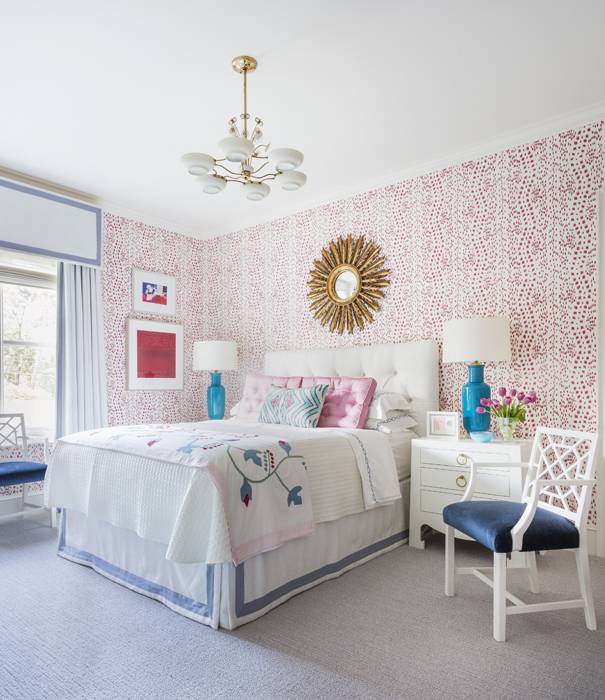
{"x":133,"y":214}
{"x":509,"y":139}
{"x":502,"y":142}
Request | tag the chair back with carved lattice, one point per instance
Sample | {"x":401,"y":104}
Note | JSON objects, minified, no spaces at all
{"x":13,"y":438}
{"x":559,"y":455}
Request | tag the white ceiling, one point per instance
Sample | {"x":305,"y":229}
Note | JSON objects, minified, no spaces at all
{"x":105,"y":96}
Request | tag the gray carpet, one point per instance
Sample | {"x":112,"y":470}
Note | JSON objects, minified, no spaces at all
{"x":383,"y":630}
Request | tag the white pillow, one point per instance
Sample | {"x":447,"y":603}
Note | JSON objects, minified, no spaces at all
{"x":385,"y":403}
{"x":234,"y":409}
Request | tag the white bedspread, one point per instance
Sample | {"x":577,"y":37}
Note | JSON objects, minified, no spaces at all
{"x":172,"y":497}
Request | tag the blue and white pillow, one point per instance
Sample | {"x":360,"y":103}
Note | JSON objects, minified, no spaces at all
{"x":299,"y":407}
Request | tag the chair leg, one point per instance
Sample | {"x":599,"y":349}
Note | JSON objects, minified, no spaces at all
{"x":534,"y":581}
{"x":53,"y":517}
{"x":499,"y":597}
{"x":450,"y":566}
{"x":586,"y":586}
{"x":23,"y":496}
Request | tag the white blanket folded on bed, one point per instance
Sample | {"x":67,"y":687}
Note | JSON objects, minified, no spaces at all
{"x":200,"y":487}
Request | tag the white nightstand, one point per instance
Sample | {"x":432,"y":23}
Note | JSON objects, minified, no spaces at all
{"x":440,"y":475}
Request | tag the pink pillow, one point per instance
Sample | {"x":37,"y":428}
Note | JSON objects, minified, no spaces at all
{"x":256,"y":388}
{"x":347,"y":402}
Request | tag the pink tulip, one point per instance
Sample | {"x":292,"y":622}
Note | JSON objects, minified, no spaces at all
{"x":495,"y":404}
{"x":506,"y":400}
{"x":485,"y":402}
{"x":502,"y":391}
{"x":526,"y":400}
{"x":520,"y":396}
{"x":480,"y":409}
{"x":531,"y":393}
{"x":513,"y":392}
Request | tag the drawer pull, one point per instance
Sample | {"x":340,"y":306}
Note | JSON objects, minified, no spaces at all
{"x":461,"y":481}
{"x":462,"y":459}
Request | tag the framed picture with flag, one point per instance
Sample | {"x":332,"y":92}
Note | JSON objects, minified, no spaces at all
{"x":155,"y":355}
{"x":153,"y":293}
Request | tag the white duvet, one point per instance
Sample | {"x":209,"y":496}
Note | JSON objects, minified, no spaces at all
{"x":174,"y":499}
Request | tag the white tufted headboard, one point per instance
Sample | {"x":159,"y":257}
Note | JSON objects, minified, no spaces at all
{"x":411,"y":369}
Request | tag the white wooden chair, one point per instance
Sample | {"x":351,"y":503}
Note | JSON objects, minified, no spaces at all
{"x":553,"y":515}
{"x":16,"y":469}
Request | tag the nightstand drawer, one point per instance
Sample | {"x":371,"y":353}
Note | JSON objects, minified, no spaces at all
{"x":456,"y":458}
{"x":492,"y":483}
{"x":435,"y":502}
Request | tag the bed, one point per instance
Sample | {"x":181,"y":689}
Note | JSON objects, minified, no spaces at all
{"x":191,"y":546}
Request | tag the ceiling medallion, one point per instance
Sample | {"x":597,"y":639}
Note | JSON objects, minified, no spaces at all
{"x":245,"y":157}
{"x":346,"y":284}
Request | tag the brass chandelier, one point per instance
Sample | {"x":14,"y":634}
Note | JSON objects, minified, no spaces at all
{"x":246,"y":159}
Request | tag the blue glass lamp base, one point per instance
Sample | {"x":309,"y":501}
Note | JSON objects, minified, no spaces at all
{"x":216,"y":397}
{"x":472,"y":392}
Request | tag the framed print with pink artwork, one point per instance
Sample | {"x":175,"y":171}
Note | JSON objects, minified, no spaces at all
{"x":153,"y":293}
{"x":155,"y":355}
{"x":442,"y":424}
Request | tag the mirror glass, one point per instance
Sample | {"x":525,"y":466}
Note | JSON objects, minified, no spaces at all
{"x":345,"y":285}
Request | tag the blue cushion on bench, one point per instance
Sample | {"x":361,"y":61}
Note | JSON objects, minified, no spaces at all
{"x":21,"y":472}
{"x":490,"y":523}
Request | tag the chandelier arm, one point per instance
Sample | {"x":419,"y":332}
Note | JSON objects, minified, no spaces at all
{"x":227,"y":169}
{"x":260,"y":167}
{"x":268,"y":176}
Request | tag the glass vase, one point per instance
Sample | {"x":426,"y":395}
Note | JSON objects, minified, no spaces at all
{"x":506,"y":427}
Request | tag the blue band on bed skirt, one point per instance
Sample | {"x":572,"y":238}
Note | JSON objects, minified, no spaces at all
{"x":136,"y":582}
{"x":243,"y":608}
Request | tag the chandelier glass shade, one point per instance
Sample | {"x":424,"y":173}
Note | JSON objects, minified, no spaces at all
{"x":245,"y":158}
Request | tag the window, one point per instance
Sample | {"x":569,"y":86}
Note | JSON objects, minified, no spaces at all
{"x":28,"y":303}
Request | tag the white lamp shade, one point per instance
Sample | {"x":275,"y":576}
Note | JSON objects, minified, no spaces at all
{"x":236,"y":148}
{"x":256,"y":190}
{"x":219,"y":355}
{"x":212,"y":184}
{"x":476,"y":340}
{"x":291,"y":180}
{"x":198,"y":163}
{"x":285,"y":158}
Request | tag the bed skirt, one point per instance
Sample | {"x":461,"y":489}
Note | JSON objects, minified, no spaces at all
{"x":224,"y":595}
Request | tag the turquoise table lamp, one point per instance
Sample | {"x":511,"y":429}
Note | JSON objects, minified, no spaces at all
{"x":215,"y":356}
{"x":476,"y":341}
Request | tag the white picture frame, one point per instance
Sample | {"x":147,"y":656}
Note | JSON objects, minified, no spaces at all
{"x":443,"y":425}
{"x":153,"y":293}
{"x":154,"y":346}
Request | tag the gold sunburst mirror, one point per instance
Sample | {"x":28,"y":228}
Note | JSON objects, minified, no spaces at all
{"x":347,"y":283}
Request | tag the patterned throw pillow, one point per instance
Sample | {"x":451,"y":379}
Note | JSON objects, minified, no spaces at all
{"x":299,"y":407}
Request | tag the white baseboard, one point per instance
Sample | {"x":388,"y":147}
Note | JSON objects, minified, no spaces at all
{"x":13,"y":505}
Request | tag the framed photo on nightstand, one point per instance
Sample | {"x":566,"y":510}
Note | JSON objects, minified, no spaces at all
{"x":443,"y":424}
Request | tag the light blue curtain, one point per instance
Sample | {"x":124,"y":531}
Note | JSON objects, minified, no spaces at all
{"x":81,"y":380}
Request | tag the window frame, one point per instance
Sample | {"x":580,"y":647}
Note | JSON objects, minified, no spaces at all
{"x":22,"y":278}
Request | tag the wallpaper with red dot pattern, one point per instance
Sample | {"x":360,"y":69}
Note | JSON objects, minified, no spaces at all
{"x":511,"y":233}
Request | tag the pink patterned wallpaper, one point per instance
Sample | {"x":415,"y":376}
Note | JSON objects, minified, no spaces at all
{"x":129,"y":244}
{"x":514,"y":232}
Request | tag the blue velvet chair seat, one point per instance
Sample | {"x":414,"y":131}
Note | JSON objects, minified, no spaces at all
{"x":490,"y":523}
{"x":21,"y":472}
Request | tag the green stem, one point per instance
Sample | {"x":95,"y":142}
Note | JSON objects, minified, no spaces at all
{"x":269,"y":475}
